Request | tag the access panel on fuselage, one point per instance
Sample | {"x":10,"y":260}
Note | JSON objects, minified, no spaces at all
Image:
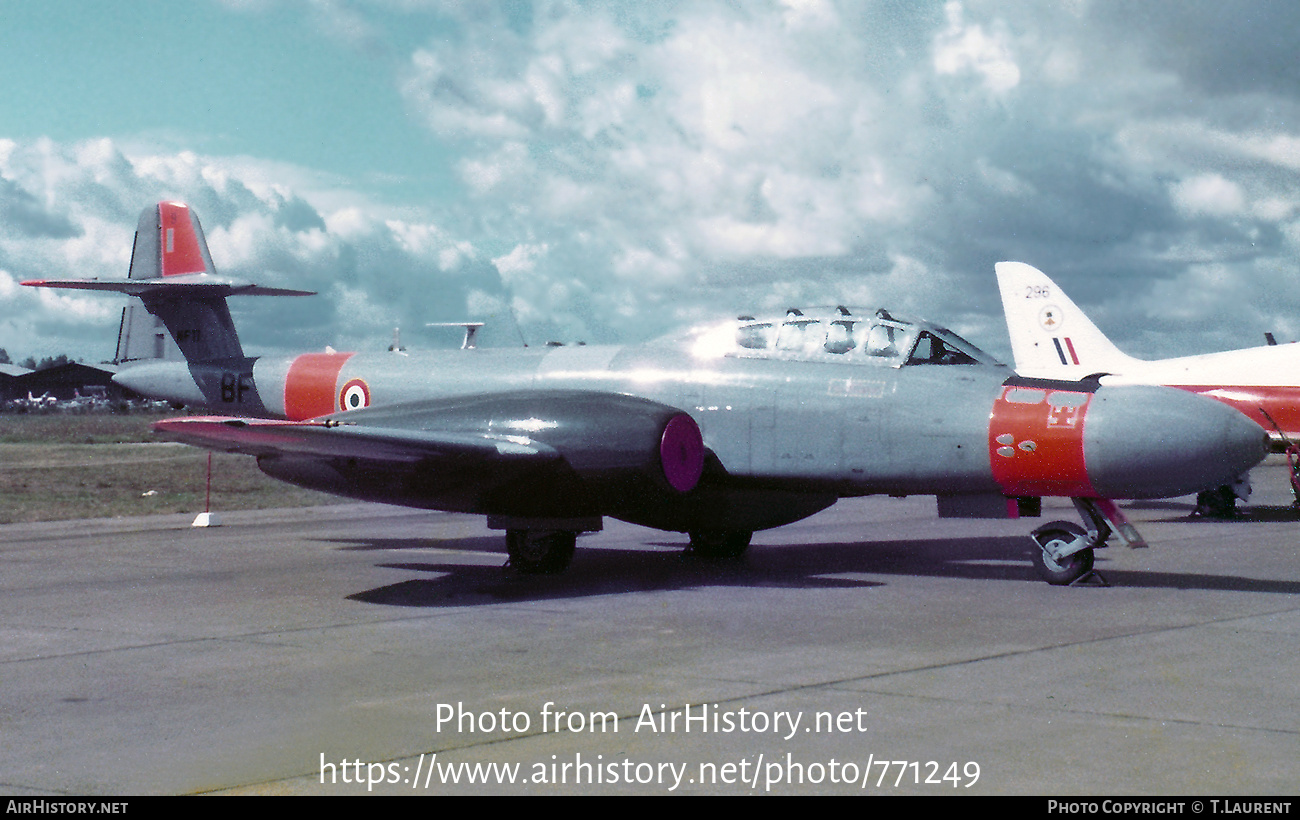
{"x":935,"y":429}
{"x":808,"y":437}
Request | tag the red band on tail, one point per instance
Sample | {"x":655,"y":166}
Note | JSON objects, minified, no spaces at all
{"x":178,"y":241}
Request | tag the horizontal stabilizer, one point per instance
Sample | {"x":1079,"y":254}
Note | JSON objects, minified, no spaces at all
{"x":192,"y":285}
{"x":170,"y":259}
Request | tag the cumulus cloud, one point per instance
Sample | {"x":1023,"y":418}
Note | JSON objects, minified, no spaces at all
{"x":1209,"y":194}
{"x":967,"y":48}
{"x":22,"y":214}
{"x":673,"y":147}
{"x":624,"y":167}
{"x":372,"y":273}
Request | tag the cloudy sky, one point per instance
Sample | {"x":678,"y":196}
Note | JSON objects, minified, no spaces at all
{"x":610,"y":171}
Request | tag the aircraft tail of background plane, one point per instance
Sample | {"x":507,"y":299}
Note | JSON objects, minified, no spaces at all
{"x":177,"y":288}
{"x":143,"y":337}
{"x":1050,"y":336}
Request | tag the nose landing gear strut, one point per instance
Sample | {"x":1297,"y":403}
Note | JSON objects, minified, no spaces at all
{"x":1065,"y":549}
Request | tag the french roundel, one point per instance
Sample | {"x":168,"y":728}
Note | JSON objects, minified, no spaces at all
{"x":354,"y":395}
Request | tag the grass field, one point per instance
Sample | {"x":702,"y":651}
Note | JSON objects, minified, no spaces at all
{"x":62,"y":466}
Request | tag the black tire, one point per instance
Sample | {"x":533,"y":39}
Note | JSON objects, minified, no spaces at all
{"x":540,"y":552}
{"x":1069,"y":569}
{"x":720,"y":543}
{"x":1221,"y":502}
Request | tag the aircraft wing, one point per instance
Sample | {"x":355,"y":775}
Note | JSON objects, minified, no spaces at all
{"x":342,"y":439}
{"x":503,"y":453}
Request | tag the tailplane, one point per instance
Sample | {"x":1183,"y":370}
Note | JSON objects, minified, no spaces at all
{"x":1050,"y":336}
{"x":175,"y":286}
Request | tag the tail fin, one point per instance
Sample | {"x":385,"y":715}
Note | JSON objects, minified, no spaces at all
{"x":143,"y":337}
{"x":174,"y":279}
{"x":1050,"y":336}
{"x":169,"y":242}
{"x":170,"y":247}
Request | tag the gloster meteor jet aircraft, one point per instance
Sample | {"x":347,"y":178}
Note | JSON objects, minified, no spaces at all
{"x":747,"y":424}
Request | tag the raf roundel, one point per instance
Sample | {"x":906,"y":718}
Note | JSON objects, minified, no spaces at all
{"x":1050,"y":318}
{"x":354,"y":395}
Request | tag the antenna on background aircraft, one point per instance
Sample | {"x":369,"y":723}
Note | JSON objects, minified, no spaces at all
{"x":471,"y":331}
{"x":396,"y":346}
{"x":1268,"y":337}
{"x":494,"y":322}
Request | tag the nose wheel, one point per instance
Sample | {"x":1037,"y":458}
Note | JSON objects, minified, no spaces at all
{"x":1065,"y":553}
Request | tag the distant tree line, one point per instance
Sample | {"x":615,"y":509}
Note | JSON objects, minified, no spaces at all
{"x":31,"y":364}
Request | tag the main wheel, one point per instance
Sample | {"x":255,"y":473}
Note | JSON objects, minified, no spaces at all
{"x":1063,"y":571}
{"x":720,"y":543}
{"x":1221,"y":502}
{"x":540,"y":552}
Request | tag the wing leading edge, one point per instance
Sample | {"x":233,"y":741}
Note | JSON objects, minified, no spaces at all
{"x":328,"y":438}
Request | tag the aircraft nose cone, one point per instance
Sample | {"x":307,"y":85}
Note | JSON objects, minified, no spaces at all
{"x":1159,"y":442}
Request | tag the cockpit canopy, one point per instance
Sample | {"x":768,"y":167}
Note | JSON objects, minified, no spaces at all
{"x":839,"y":334}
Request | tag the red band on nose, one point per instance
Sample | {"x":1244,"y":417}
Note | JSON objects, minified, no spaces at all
{"x":1036,"y":442}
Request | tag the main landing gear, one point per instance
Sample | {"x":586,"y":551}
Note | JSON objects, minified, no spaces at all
{"x":541,"y":546}
{"x":1065,"y":550}
{"x":720,"y":543}
{"x":548,"y":552}
{"x":540,"y":552}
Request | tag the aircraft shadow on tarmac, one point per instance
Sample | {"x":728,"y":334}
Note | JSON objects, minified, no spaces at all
{"x":605,"y":571}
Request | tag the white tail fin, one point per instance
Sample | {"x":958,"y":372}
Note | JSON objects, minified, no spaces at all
{"x":1050,"y":336}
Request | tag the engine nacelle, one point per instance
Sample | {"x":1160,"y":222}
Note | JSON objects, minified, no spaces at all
{"x":604,"y":438}
{"x":609,"y":451}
